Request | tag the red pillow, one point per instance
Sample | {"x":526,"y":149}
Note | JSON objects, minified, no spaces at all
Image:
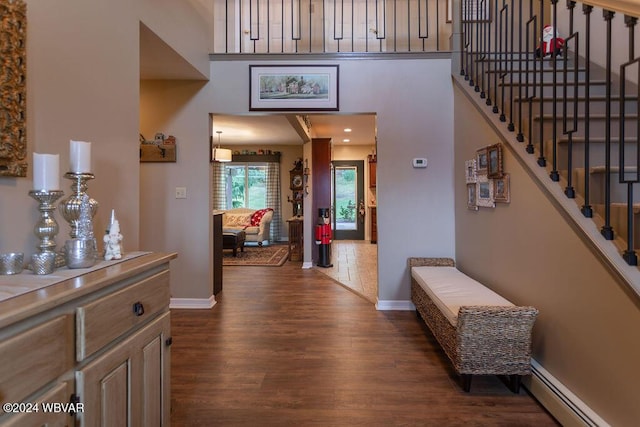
{"x":256,"y":217}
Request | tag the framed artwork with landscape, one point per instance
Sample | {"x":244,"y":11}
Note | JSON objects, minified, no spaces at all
{"x":293,"y":88}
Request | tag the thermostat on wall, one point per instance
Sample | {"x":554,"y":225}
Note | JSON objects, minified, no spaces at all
{"x":419,"y":162}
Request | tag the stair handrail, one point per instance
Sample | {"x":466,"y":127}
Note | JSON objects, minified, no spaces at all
{"x":628,"y":7}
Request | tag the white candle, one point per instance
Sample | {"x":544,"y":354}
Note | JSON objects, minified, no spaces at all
{"x":45,"y":172}
{"x":80,"y":156}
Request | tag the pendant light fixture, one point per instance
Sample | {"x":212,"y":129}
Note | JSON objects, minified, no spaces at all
{"x":220,"y":154}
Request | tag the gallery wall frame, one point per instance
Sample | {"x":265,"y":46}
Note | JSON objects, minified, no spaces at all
{"x":501,"y":189}
{"x":294,"y":87}
{"x":13,"y":88}
{"x":494,"y":161}
{"x":482,"y":161}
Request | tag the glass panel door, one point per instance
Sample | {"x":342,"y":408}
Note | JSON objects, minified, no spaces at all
{"x":348,"y":194}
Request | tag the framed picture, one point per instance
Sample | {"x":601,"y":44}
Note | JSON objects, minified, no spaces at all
{"x":471,"y":197}
{"x":481,"y":161}
{"x":470,"y":171}
{"x":494,"y":165}
{"x":13,"y":89}
{"x":293,"y":88}
{"x":501,"y":190}
{"x":484,"y":192}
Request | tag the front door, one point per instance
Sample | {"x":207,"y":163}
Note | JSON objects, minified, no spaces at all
{"x":347,"y":189}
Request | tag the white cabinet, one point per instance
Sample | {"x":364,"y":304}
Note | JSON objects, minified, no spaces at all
{"x":129,"y":384}
{"x":100,"y":341}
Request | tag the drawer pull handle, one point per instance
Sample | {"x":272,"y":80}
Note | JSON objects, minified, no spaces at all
{"x":138,"y":309}
{"x":168,"y":341}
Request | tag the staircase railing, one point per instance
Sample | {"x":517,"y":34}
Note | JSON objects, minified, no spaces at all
{"x":331,"y":26}
{"x":577,"y":108}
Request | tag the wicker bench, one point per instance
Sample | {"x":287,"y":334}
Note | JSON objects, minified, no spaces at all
{"x":481,"y":332}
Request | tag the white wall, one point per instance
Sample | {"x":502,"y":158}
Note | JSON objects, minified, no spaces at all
{"x":415,"y":213}
{"x":415,"y":206}
{"x":82,"y":83}
{"x":586,"y":334}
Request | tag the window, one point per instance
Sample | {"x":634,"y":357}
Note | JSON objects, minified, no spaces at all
{"x":246,"y":185}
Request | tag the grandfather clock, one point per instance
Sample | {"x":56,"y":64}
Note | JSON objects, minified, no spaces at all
{"x":296,"y":184}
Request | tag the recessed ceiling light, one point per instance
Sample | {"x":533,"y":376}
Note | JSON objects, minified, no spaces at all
{"x":347,"y":130}
{"x":346,"y":140}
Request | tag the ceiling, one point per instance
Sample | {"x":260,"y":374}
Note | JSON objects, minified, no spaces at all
{"x":158,"y":61}
{"x":276,"y":129}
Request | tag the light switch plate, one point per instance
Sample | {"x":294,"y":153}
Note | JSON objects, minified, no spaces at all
{"x":181,"y":192}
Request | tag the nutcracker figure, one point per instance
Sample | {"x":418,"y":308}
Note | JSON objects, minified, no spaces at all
{"x":323,"y":238}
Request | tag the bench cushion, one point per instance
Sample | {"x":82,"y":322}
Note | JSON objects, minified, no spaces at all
{"x":450,"y":289}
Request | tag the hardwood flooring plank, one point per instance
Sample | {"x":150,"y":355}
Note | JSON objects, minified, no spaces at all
{"x":290,"y":347}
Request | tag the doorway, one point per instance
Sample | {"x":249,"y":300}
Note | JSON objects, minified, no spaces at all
{"x":347,"y":199}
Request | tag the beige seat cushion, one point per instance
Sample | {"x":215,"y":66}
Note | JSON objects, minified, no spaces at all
{"x":450,"y":289}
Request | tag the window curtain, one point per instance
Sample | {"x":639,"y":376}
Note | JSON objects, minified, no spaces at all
{"x":273,"y":198}
{"x":219,"y":190}
{"x":218,"y":187}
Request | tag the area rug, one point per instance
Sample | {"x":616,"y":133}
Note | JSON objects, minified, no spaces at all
{"x":266,"y":256}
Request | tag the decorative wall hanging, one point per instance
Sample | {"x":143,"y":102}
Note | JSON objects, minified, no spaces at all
{"x":13,"y":93}
{"x":501,"y":190}
{"x":472,"y":202}
{"x":484,"y":192}
{"x":482,"y":161}
{"x":293,"y":88}
{"x":161,"y":149}
{"x":487,"y":184}
{"x":471,"y":171}
{"x":494,"y":161}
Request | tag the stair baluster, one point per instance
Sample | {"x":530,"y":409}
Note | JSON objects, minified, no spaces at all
{"x":554,"y":175}
{"x":607,"y":229}
{"x":629,"y":254}
{"x":541,"y":160}
{"x":532,"y":27}
{"x":586,"y":209}
{"x":566,"y":130}
{"x":520,"y":136}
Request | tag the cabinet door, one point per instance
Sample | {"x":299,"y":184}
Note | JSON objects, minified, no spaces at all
{"x":129,"y":384}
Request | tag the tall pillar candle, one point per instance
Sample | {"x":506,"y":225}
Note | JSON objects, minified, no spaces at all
{"x":46,"y":169}
{"x":80,"y":156}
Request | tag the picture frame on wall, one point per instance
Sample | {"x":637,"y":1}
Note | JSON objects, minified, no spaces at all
{"x":482,"y":161}
{"x":293,"y":87}
{"x":484,"y":192}
{"x":501,"y":189}
{"x":471,"y":197}
{"x":470,"y":171}
{"x":494,"y":161}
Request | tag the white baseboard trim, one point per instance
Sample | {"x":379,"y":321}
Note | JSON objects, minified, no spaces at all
{"x":193,"y":303}
{"x":395,"y":305}
{"x":565,"y":406}
{"x":307,"y":265}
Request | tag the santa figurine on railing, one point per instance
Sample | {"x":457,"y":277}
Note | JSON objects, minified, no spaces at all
{"x":552,"y":45}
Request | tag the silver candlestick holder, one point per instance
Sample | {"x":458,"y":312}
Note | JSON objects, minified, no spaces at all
{"x":46,"y":228}
{"x":70,"y":207}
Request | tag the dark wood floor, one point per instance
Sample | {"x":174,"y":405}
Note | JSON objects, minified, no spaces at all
{"x":290,"y":347}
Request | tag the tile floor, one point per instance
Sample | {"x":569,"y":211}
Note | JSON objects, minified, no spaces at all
{"x":355,"y":265}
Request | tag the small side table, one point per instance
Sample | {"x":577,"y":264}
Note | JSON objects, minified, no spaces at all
{"x":296,"y":247}
{"x":233,"y":240}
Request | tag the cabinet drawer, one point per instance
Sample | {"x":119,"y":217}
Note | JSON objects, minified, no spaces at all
{"x":35,"y":357}
{"x":60,"y":393}
{"x":105,"y":319}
